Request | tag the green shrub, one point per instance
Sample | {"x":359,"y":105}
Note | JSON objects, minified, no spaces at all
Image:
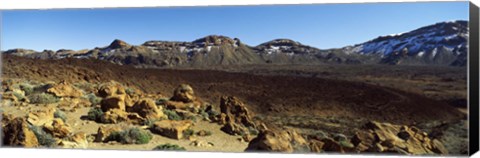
{"x":43,"y":98}
{"x":161,"y":101}
{"x":131,"y":136}
{"x":149,"y":122}
{"x":187,"y":133}
{"x":93,"y":99}
{"x":95,"y":114}
{"x":19,"y":96}
{"x":252,"y":130}
{"x":169,"y":146}
{"x":191,"y":117}
{"x":44,"y":138}
{"x":204,"y":115}
{"x":60,"y":114}
{"x":320,"y":134}
{"x":27,"y":88}
{"x":172,"y":115}
{"x":130,"y":91}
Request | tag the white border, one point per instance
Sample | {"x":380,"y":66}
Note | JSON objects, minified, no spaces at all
{"x":51,"y":4}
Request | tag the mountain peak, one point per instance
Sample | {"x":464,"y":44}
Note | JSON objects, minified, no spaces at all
{"x":282,"y":42}
{"x":215,"y":40}
{"x":118,"y":44}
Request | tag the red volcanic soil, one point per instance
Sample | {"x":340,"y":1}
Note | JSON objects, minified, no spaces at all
{"x":269,"y":95}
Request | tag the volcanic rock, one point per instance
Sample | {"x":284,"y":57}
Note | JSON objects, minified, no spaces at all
{"x":41,"y":117}
{"x":171,"y":128}
{"x":117,"y":44}
{"x":183,"y":93}
{"x":117,"y":115}
{"x":64,"y":89}
{"x":278,"y":140}
{"x":378,"y":137}
{"x":147,"y":108}
{"x":78,"y":140}
{"x":57,"y":128}
{"x":18,"y":133}
{"x":103,"y":132}
{"x":235,"y":116}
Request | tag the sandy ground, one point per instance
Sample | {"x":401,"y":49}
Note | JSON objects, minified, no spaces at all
{"x":222,"y":141}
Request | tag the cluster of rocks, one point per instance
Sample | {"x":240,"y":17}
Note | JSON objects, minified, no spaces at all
{"x":133,"y":107}
{"x":118,"y":106}
{"x":374,"y":137}
{"x":385,"y":137}
{"x":63,"y":94}
{"x":236,"y":118}
{"x":38,"y":128}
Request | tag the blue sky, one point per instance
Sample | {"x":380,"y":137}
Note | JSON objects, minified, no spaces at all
{"x":321,"y":25}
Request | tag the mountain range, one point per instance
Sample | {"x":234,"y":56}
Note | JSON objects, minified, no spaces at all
{"x":444,"y":43}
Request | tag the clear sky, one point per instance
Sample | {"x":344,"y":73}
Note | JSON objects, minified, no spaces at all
{"x":321,"y":25}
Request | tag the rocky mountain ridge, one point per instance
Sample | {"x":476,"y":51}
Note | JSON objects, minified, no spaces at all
{"x":443,"y":43}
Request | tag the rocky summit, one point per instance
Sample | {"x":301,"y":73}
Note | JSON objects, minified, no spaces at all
{"x":444,"y":43}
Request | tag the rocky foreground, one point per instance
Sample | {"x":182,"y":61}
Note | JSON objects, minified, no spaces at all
{"x":37,"y":114}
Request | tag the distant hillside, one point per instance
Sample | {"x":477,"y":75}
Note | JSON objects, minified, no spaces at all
{"x":443,"y":43}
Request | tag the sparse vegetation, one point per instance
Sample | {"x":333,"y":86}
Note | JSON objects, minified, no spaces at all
{"x":93,"y":99}
{"x":131,"y":136}
{"x":252,"y":130}
{"x":43,"y":98}
{"x":130,"y":91}
{"x":161,"y":101}
{"x":172,"y":115}
{"x":95,"y":114}
{"x":169,"y":146}
{"x":19,"y":96}
{"x":187,"y":133}
{"x":27,"y":88}
{"x":320,"y":134}
{"x":60,"y":114}
{"x":193,"y":118}
{"x":149,"y":122}
{"x":44,"y":138}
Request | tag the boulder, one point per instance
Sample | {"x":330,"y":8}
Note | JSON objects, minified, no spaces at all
{"x":278,"y":140}
{"x":235,"y":117}
{"x":111,"y":88}
{"x":331,"y":145}
{"x":183,"y":93}
{"x":171,"y":128}
{"x":64,"y":89}
{"x":6,"y":118}
{"x":117,"y":115}
{"x":147,"y":109}
{"x":103,"y":132}
{"x":192,"y":106}
{"x":114,"y":96}
{"x":17,"y":133}
{"x":385,"y":137}
{"x":41,"y":117}
{"x":57,"y":128}
{"x":78,"y":140}
{"x":113,"y":102}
